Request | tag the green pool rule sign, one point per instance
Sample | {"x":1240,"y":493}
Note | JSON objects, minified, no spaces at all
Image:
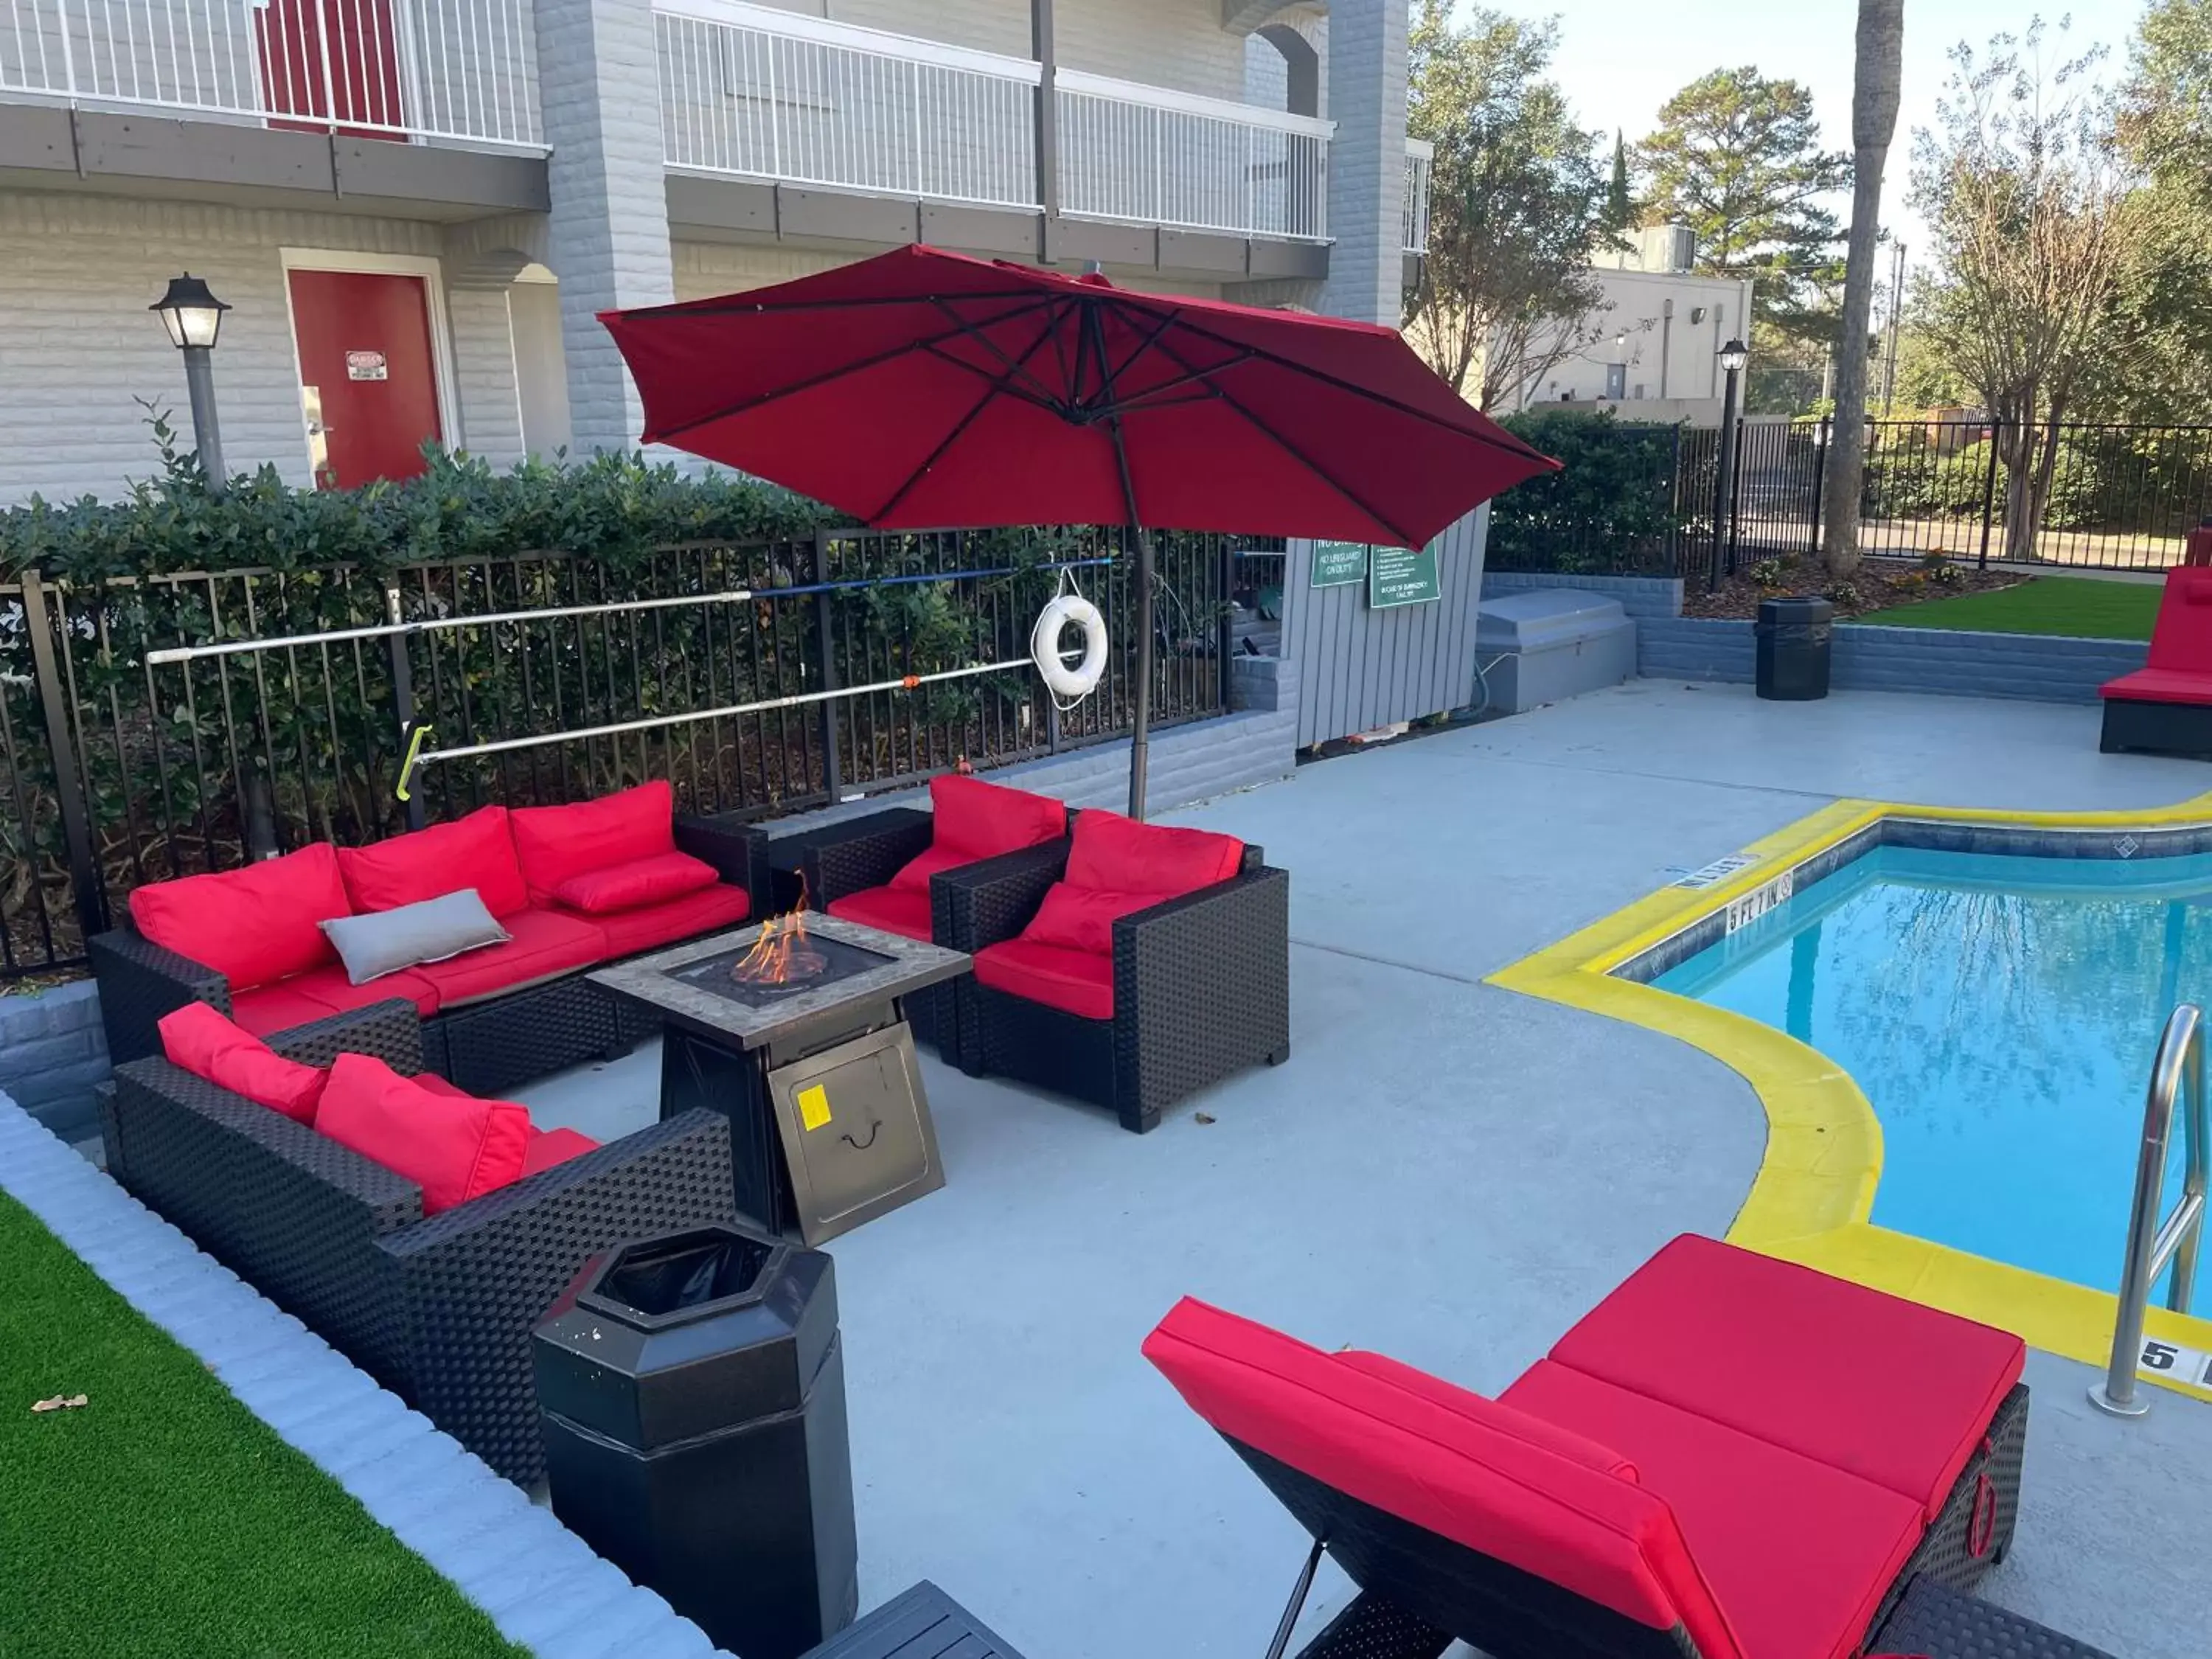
{"x":1339,"y":564}
{"x":1402,"y":575}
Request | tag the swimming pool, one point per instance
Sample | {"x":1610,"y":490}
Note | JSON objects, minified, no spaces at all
{"x":2000,"y":1013}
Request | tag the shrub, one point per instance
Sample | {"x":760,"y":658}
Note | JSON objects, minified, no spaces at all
{"x":1610,"y":506}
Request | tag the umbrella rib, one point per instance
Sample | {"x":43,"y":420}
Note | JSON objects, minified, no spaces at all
{"x":1013,"y":367}
{"x":746,"y":405}
{"x":991,"y":389}
{"x":1129,"y":362}
{"x":857,"y":302}
{"x":1512,"y":446}
{"x":1148,"y":399}
{"x":1300,"y":456}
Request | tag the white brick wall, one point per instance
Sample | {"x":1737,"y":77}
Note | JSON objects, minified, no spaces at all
{"x":1367,"y":162}
{"x":77,"y":343}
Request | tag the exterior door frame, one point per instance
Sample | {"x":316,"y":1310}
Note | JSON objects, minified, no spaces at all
{"x":432,"y":271}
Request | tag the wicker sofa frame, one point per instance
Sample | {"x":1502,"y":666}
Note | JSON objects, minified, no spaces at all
{"x":1201,"y":986}
{"x":439,"y":1309}
{"x":484,"y":1047}
{"x":1420,"y":1592}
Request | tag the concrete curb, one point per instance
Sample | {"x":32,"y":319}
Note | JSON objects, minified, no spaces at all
{"x":541,"y":1584}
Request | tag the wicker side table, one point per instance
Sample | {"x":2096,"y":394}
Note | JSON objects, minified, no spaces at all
{"x":920,"y":1623}
{"x":1936,"y":1622}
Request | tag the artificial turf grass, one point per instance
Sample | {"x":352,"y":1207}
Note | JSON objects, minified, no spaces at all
{"x":164,"y":1518}
{"x":2077,"y":605}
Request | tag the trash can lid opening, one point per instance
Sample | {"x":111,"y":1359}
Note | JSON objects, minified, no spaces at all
{"x":687,"y":1271}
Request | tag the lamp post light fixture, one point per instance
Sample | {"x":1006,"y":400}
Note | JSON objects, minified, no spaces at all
{"x":194,"y":318}
{"x":1733,"y":355}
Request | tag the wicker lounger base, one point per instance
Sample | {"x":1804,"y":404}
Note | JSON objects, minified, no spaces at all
{"x":2134,"y":727}
{"x":1935,"y":1621}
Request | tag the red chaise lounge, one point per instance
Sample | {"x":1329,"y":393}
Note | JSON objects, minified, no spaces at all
{"x":574,"y":887}
{"x":2165,"y":707}
{"x":1730,"y":1457}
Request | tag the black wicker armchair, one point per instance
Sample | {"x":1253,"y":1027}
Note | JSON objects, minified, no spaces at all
{"x":484,"y":1047}
{"x":1201,"y":988}
{"x":439,"y":1309}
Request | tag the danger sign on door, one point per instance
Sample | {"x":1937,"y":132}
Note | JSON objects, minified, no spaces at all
{"x":365,"y":366}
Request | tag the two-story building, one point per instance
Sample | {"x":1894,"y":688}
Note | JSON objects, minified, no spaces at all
{"x":415,"y":208}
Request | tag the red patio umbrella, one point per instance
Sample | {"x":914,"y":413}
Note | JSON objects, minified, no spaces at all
{"x":922,"y":389}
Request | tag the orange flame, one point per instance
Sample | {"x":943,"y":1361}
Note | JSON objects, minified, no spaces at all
{"x":781,"y":952}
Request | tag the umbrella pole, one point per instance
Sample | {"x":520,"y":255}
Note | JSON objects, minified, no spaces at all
{"x":1141,"y":721}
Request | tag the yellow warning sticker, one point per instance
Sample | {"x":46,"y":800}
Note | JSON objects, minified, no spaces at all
{"x":813,"y":1106}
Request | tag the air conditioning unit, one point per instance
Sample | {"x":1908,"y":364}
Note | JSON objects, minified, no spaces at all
{"x":1667,"y":248}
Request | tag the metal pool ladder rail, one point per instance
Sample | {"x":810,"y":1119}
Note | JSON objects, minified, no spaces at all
{"x":2176,"y":1074}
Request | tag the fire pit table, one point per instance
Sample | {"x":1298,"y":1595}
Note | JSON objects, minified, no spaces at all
{"x":796,"y":1031}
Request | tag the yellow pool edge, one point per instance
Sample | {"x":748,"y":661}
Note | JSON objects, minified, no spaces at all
{"x":1811,"y":1199}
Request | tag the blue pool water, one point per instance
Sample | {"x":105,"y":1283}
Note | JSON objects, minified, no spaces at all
{"x":2001,"y":1015}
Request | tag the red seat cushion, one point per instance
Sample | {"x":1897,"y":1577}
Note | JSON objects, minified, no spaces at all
{"x":553,"y":843}
{"x":551,"y":1147}
{"x":1114,"y":854}
{"x":1476,"y":1409}
{"x":895,"y":909}
{"x":2182,"y":685}
{"x":475,"y":851}
{"x":915,"y":873}
{"x":1884,"y":1388}
{"x":1077,"y":981}
{"x":454,"y":1146}
{"x":252,"y":925}
{"x":1800,"y":1553}
{"x":318,"y":994}
{"x":543,"y":946}
{"x":982,"y":820}
{"x":629,"y":931}
{"x":634,"y":885}
{"x":208,"y":1046}
{"x":1485,"y":1478}
{"x":1082,"y":918}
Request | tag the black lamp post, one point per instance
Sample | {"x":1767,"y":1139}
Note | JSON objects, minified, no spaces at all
{"x":194,"y":317}
{"x":1734,"y":357}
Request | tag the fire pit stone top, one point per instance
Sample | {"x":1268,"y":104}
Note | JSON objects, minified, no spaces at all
{"x":878,"y":966}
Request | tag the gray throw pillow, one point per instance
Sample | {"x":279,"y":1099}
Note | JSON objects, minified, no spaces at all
{"x":385,"y":941}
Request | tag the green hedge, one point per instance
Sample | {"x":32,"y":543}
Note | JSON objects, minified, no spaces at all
{"x":1610,"y":506}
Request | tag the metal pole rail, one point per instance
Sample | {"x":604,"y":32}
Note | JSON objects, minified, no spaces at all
{"x":2176,"y":1074}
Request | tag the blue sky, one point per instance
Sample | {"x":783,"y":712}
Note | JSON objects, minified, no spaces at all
{"x":1619,"y":60}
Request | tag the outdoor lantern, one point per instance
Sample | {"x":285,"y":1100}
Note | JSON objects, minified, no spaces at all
{"x":191,"y":315}
{"x":1733,"y":355}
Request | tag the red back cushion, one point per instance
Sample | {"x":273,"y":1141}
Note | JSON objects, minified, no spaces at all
{"x":555,"y":842}
{"x":454,"y":1146}
{"x":1566,"y":1442}
{"x":475,"y":851}
{"x":634,"y":885}
{"x":2183,"y":637}
{"x":1114,"y":854}
{"x":1468,"y":1469}
{"x":982,"y":820}
{"x":1082,"y":918}
{"x":207,"y":1045}
{"x":254,"y":924}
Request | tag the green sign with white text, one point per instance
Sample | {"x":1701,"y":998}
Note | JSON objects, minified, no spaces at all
{"x":1339,"y":564}
{"x":1402,"y":575}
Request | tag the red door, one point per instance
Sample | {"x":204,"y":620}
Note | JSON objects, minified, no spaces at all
{"x":366,"y":373}
{"x":356,"y":90}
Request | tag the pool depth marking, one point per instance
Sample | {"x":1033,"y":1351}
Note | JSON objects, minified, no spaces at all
{"x":1812,"y":1198}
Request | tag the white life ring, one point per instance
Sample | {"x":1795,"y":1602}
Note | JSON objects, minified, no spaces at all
{"x":1044,"y":646}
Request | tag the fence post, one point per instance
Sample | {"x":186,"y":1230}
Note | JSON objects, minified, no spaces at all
{"x":402,"y":701}
{"x":85,"y":884}
{"x":833,"y":779}
{"x":1225,"y":628}
{"x":1988,"y":495}
{"x":1820,"y":479}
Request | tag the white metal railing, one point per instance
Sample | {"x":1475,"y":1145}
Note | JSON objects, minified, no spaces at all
{"x":399,"y":69}
{"x":1155,"y":157}
{"x":1420,"y":156}
{"x":771,"y":95}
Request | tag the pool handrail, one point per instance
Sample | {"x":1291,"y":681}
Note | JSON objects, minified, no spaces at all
{"x":2176,"y":1076}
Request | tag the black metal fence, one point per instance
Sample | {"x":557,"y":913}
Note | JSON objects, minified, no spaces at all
{"x":1638,"y":499}
{"x":116,"y":771}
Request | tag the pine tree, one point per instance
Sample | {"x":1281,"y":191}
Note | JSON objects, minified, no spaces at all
{"x":1620,"y":208}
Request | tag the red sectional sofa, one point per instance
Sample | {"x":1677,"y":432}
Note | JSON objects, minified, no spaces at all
{"x":574,"y":887}
{"x":2165,"y":707}
{"x":419,"y":1230}
{"x":1730,"y":1457}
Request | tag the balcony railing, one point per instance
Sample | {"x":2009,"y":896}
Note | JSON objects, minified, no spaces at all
{"x":460,"y":69}
{"x":1420,"y":156}
{"x":772,"y":95}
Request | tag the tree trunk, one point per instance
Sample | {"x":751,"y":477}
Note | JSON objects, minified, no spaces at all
{"x":1876,"y":76}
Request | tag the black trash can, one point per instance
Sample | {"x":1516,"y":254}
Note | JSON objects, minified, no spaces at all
{"x":1794,"y":637}
{"x":691,"y":1389}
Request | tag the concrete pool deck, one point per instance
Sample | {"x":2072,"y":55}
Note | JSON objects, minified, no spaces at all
{"x":1443,"y":1170}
